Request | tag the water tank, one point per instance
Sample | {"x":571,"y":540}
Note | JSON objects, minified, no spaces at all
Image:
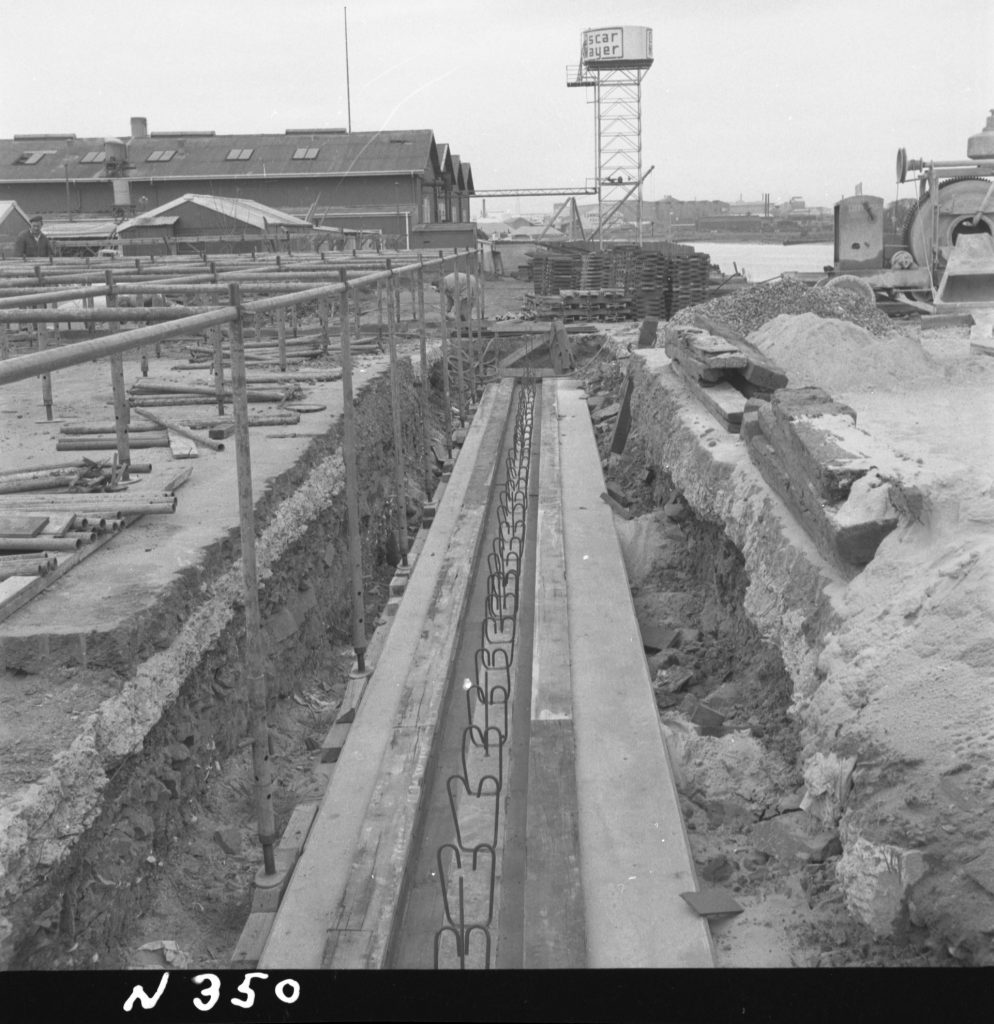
{"x":618,"y":46}
{"x":981,"y":146}
{"x":116,"y":150}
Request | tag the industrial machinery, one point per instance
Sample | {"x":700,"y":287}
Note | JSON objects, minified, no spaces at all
{"x":943,"y":257}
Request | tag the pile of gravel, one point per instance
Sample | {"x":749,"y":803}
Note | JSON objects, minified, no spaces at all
{"x":750,"y":308}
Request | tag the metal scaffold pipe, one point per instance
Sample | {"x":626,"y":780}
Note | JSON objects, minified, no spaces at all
{"x":419,"y":278}
{"x":253,"y":674}
{"x":398,"y":432}
{"x":352,"y":489}
{"x":446,"y":385}
{"x":122,"y":417}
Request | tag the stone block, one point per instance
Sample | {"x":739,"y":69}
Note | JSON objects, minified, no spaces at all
{"x":981,"y":870}
{"x":794,"y":836}
{"x":229,"y":839}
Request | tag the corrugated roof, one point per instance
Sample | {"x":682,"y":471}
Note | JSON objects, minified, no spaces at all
{"x":220,"y":156}
{"x":92,"y":227}
{"x":248,"y":211}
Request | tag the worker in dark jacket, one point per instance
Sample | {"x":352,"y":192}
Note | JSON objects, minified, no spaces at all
{"x":34,"y":242}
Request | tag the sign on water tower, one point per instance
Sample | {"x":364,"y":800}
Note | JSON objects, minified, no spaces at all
{"x":619,"y":46}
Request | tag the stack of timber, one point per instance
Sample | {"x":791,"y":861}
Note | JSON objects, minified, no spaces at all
{"x":688,"y":280}
{"x":601,"y":270}
{"x":606,"y":304}
{"x":809,"y":450}
{"x":544,"y":307}
{"x":552,"y":271}
{"x":648,"y":285}
{"x":721,"y":368}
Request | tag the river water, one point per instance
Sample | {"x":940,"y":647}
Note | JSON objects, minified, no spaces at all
{"x":760,"y":262}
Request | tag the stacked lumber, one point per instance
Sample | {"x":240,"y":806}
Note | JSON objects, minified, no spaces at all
{"x":544,"y":307}
{"x":552,"y":271}
{"x":809,"y":450}
{"x":597,"y":270}
{"x":605,"y":304}
{"x":688,"y":280}
{"x":721,"y":368}
{"x":647,"y":285}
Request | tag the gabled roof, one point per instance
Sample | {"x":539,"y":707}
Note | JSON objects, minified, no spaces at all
{"x":258,"y":215}
{"x":445,"y":163}
{"x":163,"y":155}
{"x":467,"y":173}
{"x":9,"y":208}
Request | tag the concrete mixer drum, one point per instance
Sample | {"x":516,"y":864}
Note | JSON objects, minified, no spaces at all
{"x":959,"y":200}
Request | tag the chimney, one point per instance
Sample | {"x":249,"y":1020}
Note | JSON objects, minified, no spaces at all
{"x":139,"y":127}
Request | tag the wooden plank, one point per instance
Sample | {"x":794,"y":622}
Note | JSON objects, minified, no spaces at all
{"x":13,"y":585}
{"x":22,"y":526}
{"x":553,"y":901}
{"x":182,"y":447}
{"x":297,"y":828}
{"x":555,"y":930}
{"x":721,"y":400}
{"x":619,"y":436}
{"x":759,"y":369}
{"x":334,"y":742}
{"x":252,"y":939}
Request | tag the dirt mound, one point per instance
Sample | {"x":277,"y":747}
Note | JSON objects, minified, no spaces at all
{"x":839,"y":355}
{"x":748,"y":309}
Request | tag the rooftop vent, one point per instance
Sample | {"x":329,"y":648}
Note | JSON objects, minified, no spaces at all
{"x":316,"y":131}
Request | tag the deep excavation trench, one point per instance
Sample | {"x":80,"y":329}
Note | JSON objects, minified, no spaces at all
{"x":724,"y":699}
{"x":169,"y":862}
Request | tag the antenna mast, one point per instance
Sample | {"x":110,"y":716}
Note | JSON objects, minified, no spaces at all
{"x":348,"y":91}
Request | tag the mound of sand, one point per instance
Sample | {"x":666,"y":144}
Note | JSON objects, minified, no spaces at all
{"x":839,"y":355}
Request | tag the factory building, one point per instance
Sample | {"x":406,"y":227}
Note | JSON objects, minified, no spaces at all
{"x":392,"y":181}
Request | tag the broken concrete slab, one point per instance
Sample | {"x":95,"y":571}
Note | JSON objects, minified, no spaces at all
{"x":981,"y":870}
{"x":794,"y":836}
{"x":817,"y":437}
{"x":712,"y":903}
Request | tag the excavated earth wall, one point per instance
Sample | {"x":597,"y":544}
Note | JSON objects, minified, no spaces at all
{"x":889,"y":756}
{"x":160,"y":704}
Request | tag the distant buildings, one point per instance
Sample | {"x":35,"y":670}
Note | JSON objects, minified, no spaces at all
{"x":686,"y":220}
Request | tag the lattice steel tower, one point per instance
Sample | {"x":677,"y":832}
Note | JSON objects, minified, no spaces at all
{"x":613,"y":62}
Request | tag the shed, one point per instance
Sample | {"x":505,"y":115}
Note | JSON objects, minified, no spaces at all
{"x":205,"y":224}
{"x":444,"y":236}
{"x":13,"y":220}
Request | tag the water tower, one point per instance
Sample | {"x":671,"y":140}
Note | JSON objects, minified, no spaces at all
{"x":613,"y":62}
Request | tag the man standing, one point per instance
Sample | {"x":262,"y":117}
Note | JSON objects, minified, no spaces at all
{"x":469,"y":289}
{"x":34,"y":242}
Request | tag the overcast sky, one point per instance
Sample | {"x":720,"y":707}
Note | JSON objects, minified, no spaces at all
{"x":789,"y":97}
